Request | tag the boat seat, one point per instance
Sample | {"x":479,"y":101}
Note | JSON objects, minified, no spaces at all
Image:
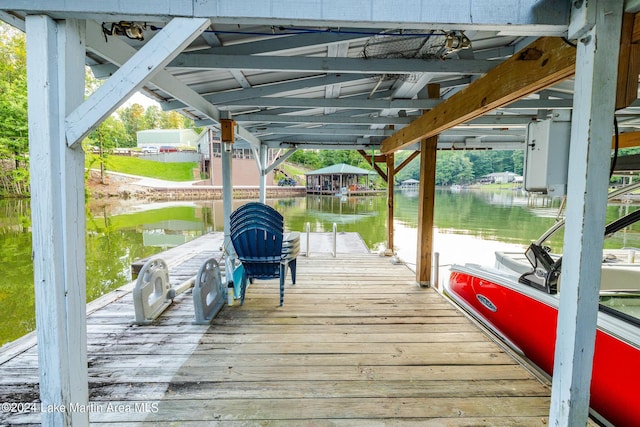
{"x":620,"y":277}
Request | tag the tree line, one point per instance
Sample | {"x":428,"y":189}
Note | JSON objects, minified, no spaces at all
{"x":452,"y":167}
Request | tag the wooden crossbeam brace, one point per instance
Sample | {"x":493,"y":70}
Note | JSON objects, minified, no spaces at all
{"x":543,"y":63}
{"x":380,"y":158}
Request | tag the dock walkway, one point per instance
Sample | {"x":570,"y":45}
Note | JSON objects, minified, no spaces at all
{"x":356,"y":343}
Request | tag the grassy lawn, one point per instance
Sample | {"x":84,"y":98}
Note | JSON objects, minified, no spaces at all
{"x":147,"y":168}
{"x":295,"y":172}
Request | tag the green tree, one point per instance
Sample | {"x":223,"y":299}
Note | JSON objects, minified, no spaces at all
{"x":113,"y":134}
{"x":172,"y":120}
{"x":410,"y":171}
{"x":133,"y":119}
{"x":453,"y":167}
{"x":518,"y":161}
{"x":14,"y":141}
{"x":153,"y":117}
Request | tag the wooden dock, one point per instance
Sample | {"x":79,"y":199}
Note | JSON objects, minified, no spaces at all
{"x":356,"y":343}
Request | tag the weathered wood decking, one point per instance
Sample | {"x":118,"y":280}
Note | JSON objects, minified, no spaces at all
{"x":356,"y":343}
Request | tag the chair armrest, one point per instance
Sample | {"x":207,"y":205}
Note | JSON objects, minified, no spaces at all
{"x":291,"y":237}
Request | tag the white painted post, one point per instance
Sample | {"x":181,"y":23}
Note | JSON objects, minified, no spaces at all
{"x":55,"y":73}
{"x":264,"y":150}
{"x":308,"y":229}
{"x":227,"y":207}
{"x":596,"y":24}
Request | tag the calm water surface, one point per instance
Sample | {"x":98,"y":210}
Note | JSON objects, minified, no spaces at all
{"x":470,"y":226}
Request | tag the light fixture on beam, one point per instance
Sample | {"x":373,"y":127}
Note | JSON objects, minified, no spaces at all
{"x":132,"y":30}
{"x":456,"y":40}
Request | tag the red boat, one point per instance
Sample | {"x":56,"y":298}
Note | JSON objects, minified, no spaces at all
{"x":518,"y":300}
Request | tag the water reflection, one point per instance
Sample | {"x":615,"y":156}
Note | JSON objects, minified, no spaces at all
{"x":469,"y":227}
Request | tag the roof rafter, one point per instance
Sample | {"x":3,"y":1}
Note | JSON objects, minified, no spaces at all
{"x":383,"y":104}
{"x":281,"y":43}
{"x":332,"y":65}
{"x":541,"y":64}
{"x":272,"y":89}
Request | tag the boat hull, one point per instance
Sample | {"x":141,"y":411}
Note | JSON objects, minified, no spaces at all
{"x":526,"y":319}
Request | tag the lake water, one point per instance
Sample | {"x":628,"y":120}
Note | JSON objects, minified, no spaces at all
{"x":469,"y":227}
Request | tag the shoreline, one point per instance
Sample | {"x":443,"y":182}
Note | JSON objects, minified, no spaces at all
{"x":125,"y":187}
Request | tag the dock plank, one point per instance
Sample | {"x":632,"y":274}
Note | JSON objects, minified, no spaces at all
{"x":356,"y":343}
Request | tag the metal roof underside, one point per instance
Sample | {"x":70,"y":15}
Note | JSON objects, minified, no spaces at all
{"x":330,"y":74}
{"x":341,"y":169}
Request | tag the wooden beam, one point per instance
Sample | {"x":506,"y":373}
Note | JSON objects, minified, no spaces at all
{"x":635,"y":34}
{"x":382,"y":173}
{"x":627,"y":140}
{"x":628,"y":63}
{"x":543,"y":63}
{"x":406,"y":161}
{"x":376,"y":158}
{"x":382,"y":158}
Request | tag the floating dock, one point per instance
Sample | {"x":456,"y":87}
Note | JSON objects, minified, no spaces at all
{"x":356,"y":343}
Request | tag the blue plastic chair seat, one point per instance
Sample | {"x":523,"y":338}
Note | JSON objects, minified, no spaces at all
{"x":257,"y":237}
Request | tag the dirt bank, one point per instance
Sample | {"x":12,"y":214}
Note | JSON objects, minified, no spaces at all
{"x":114,"y":186}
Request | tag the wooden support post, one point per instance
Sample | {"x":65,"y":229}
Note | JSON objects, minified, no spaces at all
{"x":390,"y":188}
{"x":426,"y":201}
{"x":55,"y":73}
{"x":591,"y":129}
{"x":376,"y":159}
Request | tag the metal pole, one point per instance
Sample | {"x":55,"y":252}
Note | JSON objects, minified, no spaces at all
{"x":335,"y":239}
{"x":436,"y":270}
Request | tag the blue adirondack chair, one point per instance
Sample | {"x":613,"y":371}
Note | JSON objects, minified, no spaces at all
{"x":265,"y":253}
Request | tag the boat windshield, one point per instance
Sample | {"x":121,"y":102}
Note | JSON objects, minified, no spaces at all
{"x":620,"y":281}
{"x":621,"y":202}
